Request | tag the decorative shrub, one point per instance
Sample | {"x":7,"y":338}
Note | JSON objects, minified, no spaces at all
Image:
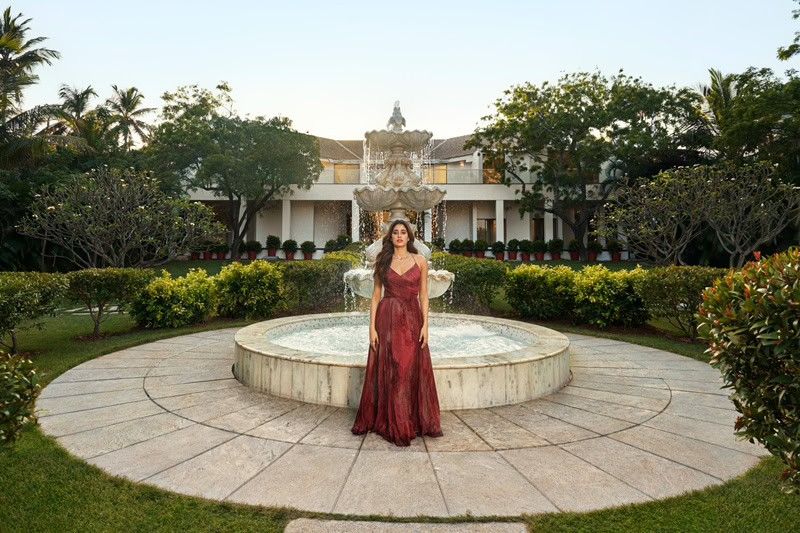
{"x":308,"y":247}
{"x":316,"y":285}
{"x":498,"y":247}
{"x":455,"y":246}
{"x":481,"y":245}
{"x":513,"y":245}
{"x":173,"y":303}
{"x":343,"y":240}
{"x":526,"y":246}
{"x":555,"y":246}
{"x":289,"y":245}
{"x":604,"y":298}
{"x":98,"y":288}
{"x":331,"y":246}
{"x":574,"y":246}
{"x":252,"y":246}
{"x":438,"y":242}
{"x":254,"y":290}
{"x":357,"y":247}
{"x":19,"y":388}
{"x":25,"y":297}
{"x":594,"y":247}
{"x":354,"y":258}
{"x":539,"y":246}
{"x":467,"y":245}
{"x":675,"y":293}
{"x":221,"y":247}
{"x":476,"y":280}
{"x":613,"y":246}
{"x":750,"y":319}
{"x":541,"y":292}
{"x":273,"y":242}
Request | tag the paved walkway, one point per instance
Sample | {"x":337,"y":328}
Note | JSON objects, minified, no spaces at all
{"x":635,"y":424}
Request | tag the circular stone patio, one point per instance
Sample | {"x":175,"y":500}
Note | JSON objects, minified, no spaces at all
{"x":635,"y":424}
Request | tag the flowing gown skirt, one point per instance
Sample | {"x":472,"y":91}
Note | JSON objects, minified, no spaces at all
{"x":399,"y":400}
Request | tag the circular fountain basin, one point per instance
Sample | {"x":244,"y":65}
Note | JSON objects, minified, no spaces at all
{"x":477,"y":361}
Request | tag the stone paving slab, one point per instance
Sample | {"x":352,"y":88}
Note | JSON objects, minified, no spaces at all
{"x":308,"y":525}
{"x":634,"y":424}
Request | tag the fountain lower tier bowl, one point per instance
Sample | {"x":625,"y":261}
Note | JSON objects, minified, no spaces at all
{"x":415,"y":198}
{"x":361,"y":282}
{"x":477,"y":361}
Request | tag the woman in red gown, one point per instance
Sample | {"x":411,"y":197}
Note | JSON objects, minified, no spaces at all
{"x":399,"y":400}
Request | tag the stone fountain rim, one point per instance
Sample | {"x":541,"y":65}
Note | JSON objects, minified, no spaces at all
{"x":550,"y":343}
{"x":398,"y":133}
{"x":402,"y":188}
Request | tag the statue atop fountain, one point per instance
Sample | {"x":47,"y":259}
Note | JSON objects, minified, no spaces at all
{"x":397,"y":189}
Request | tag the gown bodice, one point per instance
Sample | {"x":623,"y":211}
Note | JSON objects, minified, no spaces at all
{"x":405,"y":285}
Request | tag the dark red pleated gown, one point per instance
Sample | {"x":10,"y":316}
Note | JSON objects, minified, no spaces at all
{"x":399,"y":400}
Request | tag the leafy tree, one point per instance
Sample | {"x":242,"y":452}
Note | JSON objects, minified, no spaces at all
{"x":785,"y":53}
{"x":116,"y":218}
{"x":126,"y":112}
{"x":581,"y":136}
{"x":201,"y":144}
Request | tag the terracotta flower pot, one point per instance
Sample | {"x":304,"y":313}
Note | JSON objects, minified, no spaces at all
{"x":221,"y":255}
{"x":467,"y":254}
{"x":575,"y":256}
{"x":555,"y":255}
{"x":591,"y":256}
{"x":195,"y":256}
{"x":271,"y":252}
{"x":616,"y":256}
{"x":453,"y":253}
{"x":512,"y":256}
{"x":539,"y":256}
{"x":480,"y":254}
{"x":499,"y":256}
{"x":307,"y":256}
{"x":252,"y":255}
{"x":208,"y":255}
{"x":525,"y":256}
{"x":289,"y":255}
{"x":238,"y":255}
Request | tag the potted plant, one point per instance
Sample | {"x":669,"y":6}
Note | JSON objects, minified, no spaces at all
{"x":539,"y":248}
{"x":466,"y":247}
{"x":480,"y":248}
{"x":195,"y":256}
{"x":273,"y":243}
{"x":526,"y":249}
{"x":222,"y":249}
{"x":208,"y":248}
{"x":555,"y":247}
{"x":455,"y":247}
{"x":438,"y":242}
{"x":593,"y":248}
{"x":343,"y":240}
{"x":574,"y":250}
{"x":331,"y":246}
{"x":512,"y":248}
{"x":308,"y":248}
{"x":289,"y":248}
{"x":615,"y":249}
{"x":498,"y":249}
{"x":252,"y":248}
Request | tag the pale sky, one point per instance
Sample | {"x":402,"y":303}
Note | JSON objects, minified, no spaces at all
{"x":336,"y":67}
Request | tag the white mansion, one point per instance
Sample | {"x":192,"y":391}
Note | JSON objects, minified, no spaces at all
{"x":476,"y":206}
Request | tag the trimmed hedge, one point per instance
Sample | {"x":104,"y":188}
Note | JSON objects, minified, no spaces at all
{"x":676,"y":292}
{"x":541,"y":292}
{"x":346,"y":255}
{"x":98,"y":288}
{"x":604,"y":298}
{"x":752,"y":318}
{"x":254,"y":290}
{"x":316,"y":285}
{"x":173,"y":303}
{"x":25,"y":297}
{"x":477,"y":280}
{"x":19,"y":388}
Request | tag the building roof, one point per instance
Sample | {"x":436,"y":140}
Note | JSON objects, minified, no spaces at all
{"x":354,"y":150}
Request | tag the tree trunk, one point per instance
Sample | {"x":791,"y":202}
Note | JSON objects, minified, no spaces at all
{"x":14,"y":346}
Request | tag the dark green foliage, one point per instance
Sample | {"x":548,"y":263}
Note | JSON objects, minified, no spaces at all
{"x":481,"y":245}
{"x":438,"y":242}
{"x":751,"y":319}
{"x":343,"y":240}
{"x":25,"y":297}
{"x":604,"y":298}
{"x":455,"y":246}
{"x":498,"y":247}
{"x":308,"y":247}
{"x":477,"y":280}
{"x":613,"y":246}
{"x":252,"y":246}
{"x":675,"y":293}
{"x":595,"y":247}
{"x":539,"y":246}
{"x":172,"y":303}
{"x":316,"y":285}
{"x":513,"y":245}
{"x":250,"y":291}
{"x":273,"y":242}
{"x":526,"y":246}
{"x":467,"y":245}
{"x":542,"y":293}
{"x":574,"y":246}
{"x":555,"y":246}
{"x":98,"y":288}
{"x":19,"y":388}
{"x":331,"y":246}
{"x":289,"y":245}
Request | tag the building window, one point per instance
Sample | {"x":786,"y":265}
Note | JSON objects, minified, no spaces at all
{"x":345,"y":173}
{"x":436,"y":174}
{"x":487,"y":230}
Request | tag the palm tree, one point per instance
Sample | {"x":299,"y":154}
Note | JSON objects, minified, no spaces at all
{"x":75,"y":102}
{"x":718,"y":97}
{"x":125,"y":113}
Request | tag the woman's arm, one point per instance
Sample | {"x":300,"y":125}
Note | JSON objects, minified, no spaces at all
{"x":423,"y":298}
{"x":373,"y":310}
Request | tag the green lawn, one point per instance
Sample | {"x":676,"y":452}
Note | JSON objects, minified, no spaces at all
{"x":46,"y":489}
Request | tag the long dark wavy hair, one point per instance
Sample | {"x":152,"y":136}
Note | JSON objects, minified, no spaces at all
{"x":385,"y":255}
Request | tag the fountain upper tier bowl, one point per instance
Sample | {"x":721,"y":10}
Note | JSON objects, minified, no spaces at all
{"x":477,"y":361}
{"x":415,"y":198}
{"x":409,"y":141}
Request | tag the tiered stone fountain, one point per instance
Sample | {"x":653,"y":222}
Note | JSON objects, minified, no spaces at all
{"x":397,"y":189}
{"x":477,"y":361}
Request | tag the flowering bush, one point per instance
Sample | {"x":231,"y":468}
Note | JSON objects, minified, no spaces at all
{"x":751,"y":319}
{"x":172,"y":303}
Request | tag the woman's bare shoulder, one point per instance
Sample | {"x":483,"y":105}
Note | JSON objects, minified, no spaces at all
{"x":421,"y":261}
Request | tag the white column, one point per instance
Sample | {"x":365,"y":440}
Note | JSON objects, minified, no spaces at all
{"x":474,"y":210}
{"x":355,"y":221}
{"x":499,"y":215}
{"x":427,"y":217}
{"x":548,"y":226}
{"x":286,"y":220}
